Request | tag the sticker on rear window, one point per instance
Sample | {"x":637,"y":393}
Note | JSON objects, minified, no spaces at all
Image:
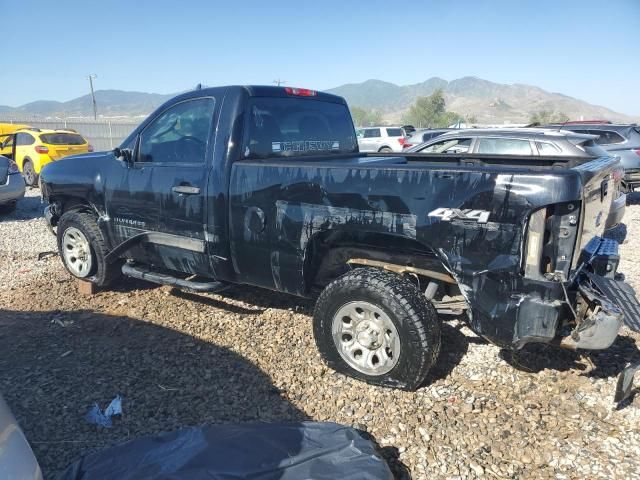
{"x":305,"y":146}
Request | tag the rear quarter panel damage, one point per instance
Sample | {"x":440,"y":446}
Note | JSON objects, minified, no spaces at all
{"x":278,"y":208}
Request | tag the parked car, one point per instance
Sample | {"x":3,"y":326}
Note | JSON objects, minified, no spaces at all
{"x":423,"y":135}
{"x":622,"y":140}
{"x":17,"y":460}
{"x":6,"y":128}
{"x":33,"y":148}
{"x":381,"y":139}
{"x":530,"y":142}
{"x":11,"y":185}
{"x":265,"y":186}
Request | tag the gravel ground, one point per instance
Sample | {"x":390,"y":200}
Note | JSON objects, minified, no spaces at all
{"x":180,"y":359}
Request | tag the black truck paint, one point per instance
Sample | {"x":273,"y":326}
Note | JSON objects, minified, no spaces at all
{"x":295,"y":223}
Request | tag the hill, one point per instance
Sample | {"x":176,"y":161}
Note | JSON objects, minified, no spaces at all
{"x":489,"y":102}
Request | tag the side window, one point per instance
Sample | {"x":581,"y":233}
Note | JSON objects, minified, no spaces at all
{"x":395,"y":132}
{"x":546,"y":148}
{"x":504,"y":146}
{"x":178,"y":135}
{"x":607,"y":137}
{"x":371,"y":133}
{"x":24,"y":139}
{"x":450,"y":145}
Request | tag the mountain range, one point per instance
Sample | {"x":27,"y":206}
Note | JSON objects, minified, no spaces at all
{"x":488,"y":102}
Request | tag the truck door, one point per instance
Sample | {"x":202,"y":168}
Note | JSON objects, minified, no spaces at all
{"x":177,"y":143}
{"x":164,"y":190}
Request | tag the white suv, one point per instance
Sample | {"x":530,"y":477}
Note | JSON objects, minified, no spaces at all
{"x":380,"y":139}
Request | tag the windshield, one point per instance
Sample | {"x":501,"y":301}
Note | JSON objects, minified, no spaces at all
{"x":62,"y":139}
{"x":281,"y":127}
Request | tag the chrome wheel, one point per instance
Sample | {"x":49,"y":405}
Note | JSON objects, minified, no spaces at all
{"x":366,"y":338}
{"x":76,"y":252}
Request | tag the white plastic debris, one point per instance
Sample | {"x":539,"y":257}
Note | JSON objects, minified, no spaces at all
{"x":103,"y":419}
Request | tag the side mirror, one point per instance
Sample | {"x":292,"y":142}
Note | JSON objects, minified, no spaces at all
{"x":123,"y":154}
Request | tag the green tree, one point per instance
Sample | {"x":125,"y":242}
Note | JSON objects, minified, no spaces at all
{"x":547,"y":116}
{"x":363,"y":117}
{"x":431,"y":112}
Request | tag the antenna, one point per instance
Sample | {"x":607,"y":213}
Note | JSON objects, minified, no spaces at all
{"x":563,"y":125}
{"x":279,"y":82}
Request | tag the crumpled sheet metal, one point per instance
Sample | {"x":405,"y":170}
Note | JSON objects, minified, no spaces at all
{"x":259,"y":451}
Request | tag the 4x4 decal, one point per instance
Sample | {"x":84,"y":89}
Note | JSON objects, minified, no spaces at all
{"x":448,"y":214}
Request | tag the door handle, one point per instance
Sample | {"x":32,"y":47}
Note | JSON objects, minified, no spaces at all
{"x":185,"y":190}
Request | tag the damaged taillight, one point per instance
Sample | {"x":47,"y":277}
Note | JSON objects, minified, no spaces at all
{"x":535,"y":237}
{"x":550,"y":240}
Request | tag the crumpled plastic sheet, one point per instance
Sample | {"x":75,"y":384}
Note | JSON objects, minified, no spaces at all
{"x":259,"y":451}
{"x":96,"y":416}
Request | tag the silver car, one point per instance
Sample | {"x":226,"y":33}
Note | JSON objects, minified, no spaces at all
{"x":528,"y":142}
{"x":622,"y":140}
{"x":11,"y":185}
{"x":380,"y":139}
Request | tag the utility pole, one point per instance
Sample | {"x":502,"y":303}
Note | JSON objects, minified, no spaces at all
{"x":279,"y":82}
{"x":91,"y":77}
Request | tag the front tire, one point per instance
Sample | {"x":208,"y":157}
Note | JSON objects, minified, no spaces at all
{"x":376,"y":326}
{"x":29,"y":173}
{"x":83,"y":249}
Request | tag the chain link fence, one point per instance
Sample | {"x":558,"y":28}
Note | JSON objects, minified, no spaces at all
{"x":102,"y":134}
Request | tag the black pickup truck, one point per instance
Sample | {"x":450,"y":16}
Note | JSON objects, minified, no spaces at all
{"x":265,"y":186}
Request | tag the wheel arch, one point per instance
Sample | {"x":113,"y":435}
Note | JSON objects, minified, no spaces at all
{"x":331,"y":253}
{"x":61,"y":204}
{"x":26,"y":159}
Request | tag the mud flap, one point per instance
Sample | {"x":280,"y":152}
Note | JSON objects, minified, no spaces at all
{"x":625,"y":382}
{"x":623,"y":295}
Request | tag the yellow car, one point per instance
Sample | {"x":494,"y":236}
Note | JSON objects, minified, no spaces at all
{"x":33,"y":148}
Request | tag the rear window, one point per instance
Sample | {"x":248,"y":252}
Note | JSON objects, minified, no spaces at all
{"x":395,"y":132}
{"x":62,"y":139}
{"x":281,"y":127}
{"x":605,"y":137}
{"x":430,"y":135}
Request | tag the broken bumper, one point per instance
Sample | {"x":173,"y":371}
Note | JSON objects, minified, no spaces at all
{"x":602,"y":318}
{"x":607,"y":304}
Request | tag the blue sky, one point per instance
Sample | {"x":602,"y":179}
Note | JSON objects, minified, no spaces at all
{"x":586,"y":49}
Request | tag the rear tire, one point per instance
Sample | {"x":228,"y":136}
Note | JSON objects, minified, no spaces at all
{"x":376,"y":326}
{"x":385,"y":150}
{"x":29,"y":173}
{"x":80,"y":241}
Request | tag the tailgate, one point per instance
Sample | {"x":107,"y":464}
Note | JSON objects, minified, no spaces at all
{"x":59,"y":151}
{"x":598,"y":192}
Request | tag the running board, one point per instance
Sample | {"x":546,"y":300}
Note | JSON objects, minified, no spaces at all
{"x":143,"y":273}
